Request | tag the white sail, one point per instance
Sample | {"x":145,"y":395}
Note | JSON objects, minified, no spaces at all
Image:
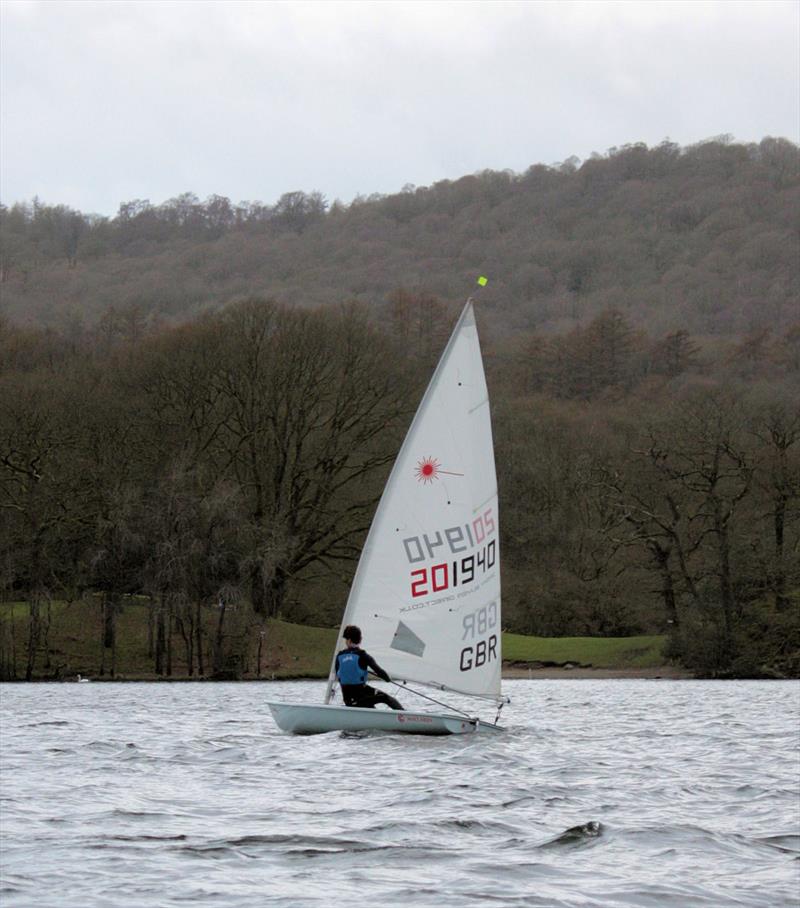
{"x":426,"y":593}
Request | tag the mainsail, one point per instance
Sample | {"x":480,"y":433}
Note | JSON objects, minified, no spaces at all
{"x":426,"y":593}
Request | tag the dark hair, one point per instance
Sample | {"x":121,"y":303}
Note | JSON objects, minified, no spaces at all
{"x":352,"y":633}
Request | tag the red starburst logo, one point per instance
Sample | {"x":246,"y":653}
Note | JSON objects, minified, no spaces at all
{"x":429,"y":469}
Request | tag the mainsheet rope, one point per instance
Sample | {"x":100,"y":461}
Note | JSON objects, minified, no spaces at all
{"x":419,"y":693}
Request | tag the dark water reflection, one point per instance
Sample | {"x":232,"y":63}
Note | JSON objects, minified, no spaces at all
{"x":602,"y":793}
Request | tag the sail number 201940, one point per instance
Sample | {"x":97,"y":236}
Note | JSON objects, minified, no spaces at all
{"x":452,"y":572}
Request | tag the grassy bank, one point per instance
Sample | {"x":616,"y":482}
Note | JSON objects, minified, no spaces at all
{"x":71,"y":642}
{"x":595,"y":652}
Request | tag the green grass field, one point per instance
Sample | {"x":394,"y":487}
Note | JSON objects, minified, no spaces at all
{"x":597,"y":652}
{"x":74,"y":645}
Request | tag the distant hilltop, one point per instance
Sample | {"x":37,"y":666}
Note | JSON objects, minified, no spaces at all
{"x":698,"y":238}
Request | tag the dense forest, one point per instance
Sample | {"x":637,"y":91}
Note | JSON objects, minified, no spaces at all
{"x":701,"y":238}
{"x":199,"y":402}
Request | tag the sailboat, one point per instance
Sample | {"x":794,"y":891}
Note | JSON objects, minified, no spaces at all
{"x":426,"y":593}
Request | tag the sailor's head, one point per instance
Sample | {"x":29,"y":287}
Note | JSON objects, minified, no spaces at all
{"x":352,"y":635}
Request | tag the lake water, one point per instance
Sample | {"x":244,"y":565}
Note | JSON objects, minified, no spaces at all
{"x":601,"y":793}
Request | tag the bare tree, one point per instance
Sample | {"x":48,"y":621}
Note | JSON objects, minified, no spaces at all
{"x":309,"y":398}
{"x":702,"y":470}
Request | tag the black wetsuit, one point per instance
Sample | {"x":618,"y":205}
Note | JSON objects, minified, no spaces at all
{"x":363,"y":694}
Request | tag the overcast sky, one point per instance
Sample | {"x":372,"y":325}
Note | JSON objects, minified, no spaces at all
{"x":104,"y":102}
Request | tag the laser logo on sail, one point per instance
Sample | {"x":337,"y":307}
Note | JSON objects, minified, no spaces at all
{"x":429,"y":469}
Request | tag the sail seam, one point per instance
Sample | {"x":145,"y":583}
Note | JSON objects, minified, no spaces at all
{"x":486,"y":501}
{"x":483,"y":403}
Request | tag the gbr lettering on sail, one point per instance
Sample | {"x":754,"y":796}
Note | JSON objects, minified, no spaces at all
{"x":451,"y":563}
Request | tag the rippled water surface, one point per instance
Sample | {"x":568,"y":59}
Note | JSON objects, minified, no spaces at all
{"x":601,"y":793}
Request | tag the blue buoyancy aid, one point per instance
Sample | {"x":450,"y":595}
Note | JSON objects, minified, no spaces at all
{"x":349,"y":671}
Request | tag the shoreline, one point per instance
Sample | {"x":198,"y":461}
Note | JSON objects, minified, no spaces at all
{"x":512,"y":672}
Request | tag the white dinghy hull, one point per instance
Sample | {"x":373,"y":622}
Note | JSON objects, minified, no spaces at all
{"x":303,"y":719}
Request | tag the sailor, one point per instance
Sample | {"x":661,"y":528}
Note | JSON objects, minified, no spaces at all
{"x":352,"y":664}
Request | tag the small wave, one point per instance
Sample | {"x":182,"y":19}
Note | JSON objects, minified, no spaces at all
{"x":514,"y":802}
{"x":289,"y":845}
{"x":408,"y":851}
{"x":147,"y":838}
{"x":477,"y":826}
{"x":137,"y":814}
{"x":459,"y":825}
{"x":577,"y":835}
{"x":102,"y":746}
{"x":277,"y":839}
{"x":789,"y":843}
{"x":222,"y":754}
{"x":291,"y":839}
{"x":205,"y":849}
{"x":42,"y":724}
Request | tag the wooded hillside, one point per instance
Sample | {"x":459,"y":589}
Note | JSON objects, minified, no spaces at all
{"x":702,"y":239}
{"x":161,"y":438}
